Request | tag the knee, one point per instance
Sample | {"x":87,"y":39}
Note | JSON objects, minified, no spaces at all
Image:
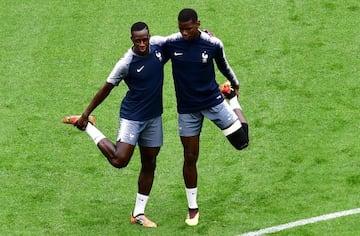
{"x":190,"y":159}
{"x":149,"y":166}
{"x":239,"y":139}
{"x":118,"y":164}
{"x":119,"y":161}
{"x":241,"y":146}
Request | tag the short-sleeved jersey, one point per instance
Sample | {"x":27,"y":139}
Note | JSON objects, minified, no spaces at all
{"x":144,"y":76}
{"x":194,"y":73}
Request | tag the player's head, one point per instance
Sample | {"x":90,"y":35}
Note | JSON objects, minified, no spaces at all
{"x":140,"y":36}
{"x":188,"y":24}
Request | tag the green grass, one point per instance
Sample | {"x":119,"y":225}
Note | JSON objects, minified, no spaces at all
{"x":298,"y":63}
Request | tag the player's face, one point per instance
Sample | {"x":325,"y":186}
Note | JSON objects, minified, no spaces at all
{"x":140,"y":40}
{"x":189,"y":29}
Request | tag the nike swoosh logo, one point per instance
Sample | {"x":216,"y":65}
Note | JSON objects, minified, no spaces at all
{"x":178,"y":53}
{"x":140,"y":69}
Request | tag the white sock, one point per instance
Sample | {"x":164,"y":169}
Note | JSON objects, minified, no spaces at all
{"x":140,"y":204}
{"x":191,"y":194}
{"x":94,"y":133}
{"x":234,"y":103}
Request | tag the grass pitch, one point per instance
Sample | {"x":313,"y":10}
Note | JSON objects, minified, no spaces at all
{"x":298,"y":64}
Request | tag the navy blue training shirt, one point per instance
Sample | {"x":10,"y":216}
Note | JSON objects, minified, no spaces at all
{"x":144,"y":76}
{"x":193,"y":70}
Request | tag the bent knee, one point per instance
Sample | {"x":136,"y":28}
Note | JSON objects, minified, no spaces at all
{"x":239,"y":139}
{"x":119,"y":162}
{"x":118,"y":165}
{"x":241,"y":146}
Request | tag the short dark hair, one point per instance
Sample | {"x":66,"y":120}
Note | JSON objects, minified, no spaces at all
{"x":187,"y":14}
{"x":138,"y":26}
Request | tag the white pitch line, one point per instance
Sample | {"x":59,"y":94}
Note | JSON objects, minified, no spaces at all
{"x":302,"y":222}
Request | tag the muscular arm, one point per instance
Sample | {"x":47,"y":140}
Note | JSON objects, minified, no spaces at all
{"x":100,"y":96}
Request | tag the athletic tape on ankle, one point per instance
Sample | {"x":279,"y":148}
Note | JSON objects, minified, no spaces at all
{"x":232,"y":128}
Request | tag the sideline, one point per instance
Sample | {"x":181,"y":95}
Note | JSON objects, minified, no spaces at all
{"x":302,"y":222}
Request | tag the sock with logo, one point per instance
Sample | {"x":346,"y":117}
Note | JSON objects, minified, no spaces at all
{"x":94,"y":133}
